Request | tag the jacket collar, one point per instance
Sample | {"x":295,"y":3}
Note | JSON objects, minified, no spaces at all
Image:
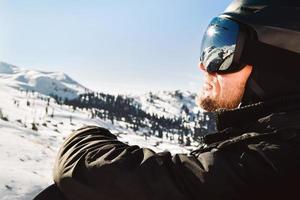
{"x":244,"y":116}
{"x":260,"y":117}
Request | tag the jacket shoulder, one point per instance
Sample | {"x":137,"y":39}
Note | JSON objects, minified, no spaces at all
{"x":52,"y":192}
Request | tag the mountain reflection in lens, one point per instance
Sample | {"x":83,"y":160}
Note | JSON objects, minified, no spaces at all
{"x":218,"y":45}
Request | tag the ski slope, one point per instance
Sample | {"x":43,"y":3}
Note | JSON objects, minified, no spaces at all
{"x":27,"y":155}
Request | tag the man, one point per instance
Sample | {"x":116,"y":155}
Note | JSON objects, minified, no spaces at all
{"x":250,"y":56}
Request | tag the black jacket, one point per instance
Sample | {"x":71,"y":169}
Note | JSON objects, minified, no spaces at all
{"x":255,"y":155}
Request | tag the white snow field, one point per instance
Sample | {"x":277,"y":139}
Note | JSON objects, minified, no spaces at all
{"x":33,"y":127}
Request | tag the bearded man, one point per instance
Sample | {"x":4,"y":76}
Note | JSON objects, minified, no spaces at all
{"x":250,"y":57}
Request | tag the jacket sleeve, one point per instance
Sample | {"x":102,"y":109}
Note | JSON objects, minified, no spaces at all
{"x":92,"y":164}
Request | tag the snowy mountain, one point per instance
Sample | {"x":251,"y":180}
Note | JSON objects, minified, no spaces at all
{"x":218,"y":56}
{"x":33,"y":124}
{"x":169,"y":104}
{"x":47,"y":83}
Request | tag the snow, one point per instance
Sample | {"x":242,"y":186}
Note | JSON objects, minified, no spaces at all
{"x":47,"y":83}
{"x":25,"y":165}
{"x":6,"y":68}
{"x":27,"y":156}
{"x":167,"y":104}
{"x":220,"y":57}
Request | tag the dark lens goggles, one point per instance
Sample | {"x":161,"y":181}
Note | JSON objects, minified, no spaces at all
{"x":219,"y":47}
{"x":227,"y":46}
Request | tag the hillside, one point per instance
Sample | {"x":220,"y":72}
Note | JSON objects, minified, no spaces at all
{"x":36,"y":115}
{"x":47,"y":83}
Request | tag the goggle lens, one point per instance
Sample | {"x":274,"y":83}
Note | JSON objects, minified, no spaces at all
{"x":219,"y":45}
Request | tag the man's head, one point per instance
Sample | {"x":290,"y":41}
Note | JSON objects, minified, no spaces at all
{"x":251,"y":33}
{"x":223,"y":90}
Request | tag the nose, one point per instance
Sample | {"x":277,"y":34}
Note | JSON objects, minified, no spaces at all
{"x":201,"y":66}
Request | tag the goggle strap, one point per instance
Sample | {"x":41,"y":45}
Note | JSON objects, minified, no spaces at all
{"x":256,"y":88}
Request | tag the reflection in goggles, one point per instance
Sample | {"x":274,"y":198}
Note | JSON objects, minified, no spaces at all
{"x":219,"y":44}
{"x":217,"y":58}
{"x":211,"y":31}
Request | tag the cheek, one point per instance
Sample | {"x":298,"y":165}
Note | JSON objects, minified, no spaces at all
{"x":223,"y":84}
{"x":230,"y":87}
{"x":211,"y":86}
{"x":217,"y":87}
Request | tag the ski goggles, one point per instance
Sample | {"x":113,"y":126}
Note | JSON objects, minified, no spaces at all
{"x":220,"y":49}
{"x":227,"y":46}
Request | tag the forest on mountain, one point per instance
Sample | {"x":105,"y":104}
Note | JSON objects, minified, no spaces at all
{"x":126,"y":109}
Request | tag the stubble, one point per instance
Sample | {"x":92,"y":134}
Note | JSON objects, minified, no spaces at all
{"x":229,"y":100}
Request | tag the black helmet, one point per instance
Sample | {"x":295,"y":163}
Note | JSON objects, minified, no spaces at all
{"x":276,"y":23}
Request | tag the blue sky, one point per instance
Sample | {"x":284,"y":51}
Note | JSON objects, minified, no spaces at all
{"x":116,"y":46}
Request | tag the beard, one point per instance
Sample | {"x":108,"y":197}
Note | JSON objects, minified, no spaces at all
{"x":223,"y":92}
{"x":208,"y":104}
{"x":211,"y":104}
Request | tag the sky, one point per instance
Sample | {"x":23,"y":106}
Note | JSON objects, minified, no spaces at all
{"x":113,"y":46}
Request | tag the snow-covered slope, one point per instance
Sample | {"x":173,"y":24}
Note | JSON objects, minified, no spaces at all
{"x":33,"y":126}
{"x":47,"y":83}
{"x":170,"y":104}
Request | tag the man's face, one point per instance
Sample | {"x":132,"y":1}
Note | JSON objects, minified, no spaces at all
{"x":223,"y":90}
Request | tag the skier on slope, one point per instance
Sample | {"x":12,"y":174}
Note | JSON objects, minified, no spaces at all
{"x":255,"y":92}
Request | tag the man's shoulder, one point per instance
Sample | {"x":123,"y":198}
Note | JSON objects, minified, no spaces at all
{"x":234,"y":141}
{"x":52,"y":192}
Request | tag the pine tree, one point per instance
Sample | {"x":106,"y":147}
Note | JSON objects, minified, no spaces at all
{"x":2,"y":116}
{"x":34,"y":127}
{"x":188,"y":141}
{"x":160,"y":133}
{"x":52,"y":114}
